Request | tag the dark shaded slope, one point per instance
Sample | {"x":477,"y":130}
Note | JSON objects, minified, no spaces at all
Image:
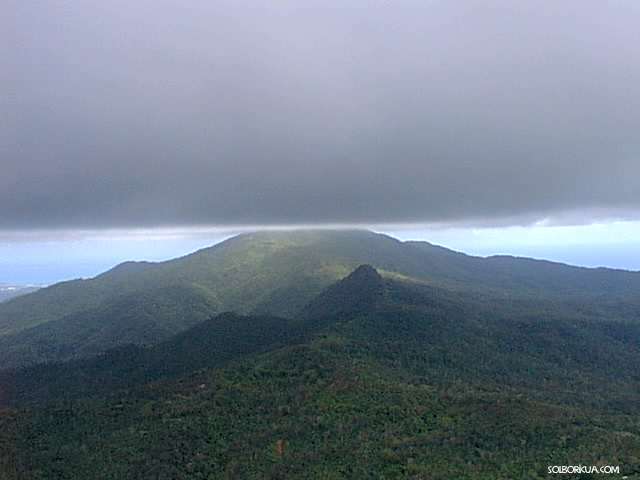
{"x":279,"y":273}
{"x":142,"y":318}
{"x":443,"y":336}
{"x":423,"y":331}
{"x":208,"y":344}
{"x":211,"y":343}
{"x":360,"y":291}
{"x":221,"y":339}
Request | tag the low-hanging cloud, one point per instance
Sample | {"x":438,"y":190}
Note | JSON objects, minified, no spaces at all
{"x":154,"y":113}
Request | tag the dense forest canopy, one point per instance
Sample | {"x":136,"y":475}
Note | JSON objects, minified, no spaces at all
{"x":408,"y":367}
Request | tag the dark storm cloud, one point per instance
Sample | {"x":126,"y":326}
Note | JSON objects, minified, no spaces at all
{"x":155,"y":112}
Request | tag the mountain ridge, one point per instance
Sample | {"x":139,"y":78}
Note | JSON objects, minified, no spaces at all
{"x":382,"y":373}
{"x":278,"y":273}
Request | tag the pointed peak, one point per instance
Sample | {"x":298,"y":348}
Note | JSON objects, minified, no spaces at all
{"x":364,"y":272}
{"x":365,"y":278}
{"x":362,"y":289}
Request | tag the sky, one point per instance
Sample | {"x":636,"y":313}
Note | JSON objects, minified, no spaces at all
{"x":148,"y":129}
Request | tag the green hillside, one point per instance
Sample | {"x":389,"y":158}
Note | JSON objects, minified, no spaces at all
{"x":278,"y":273}
{"x":379,"y":378}
{"x":9,"y":291}
{"x":211,"y":343}
{"x":145,"y":318}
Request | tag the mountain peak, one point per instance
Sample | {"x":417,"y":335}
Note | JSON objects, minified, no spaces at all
{"x":359,"y":290}
{"x":363,"y":273}
{"x":363,"y":280}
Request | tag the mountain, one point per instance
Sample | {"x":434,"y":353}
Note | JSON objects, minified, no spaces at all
{"x":359,"y":291}
{"x":211,"y":343}
{"x":279,"y":273}
{"x":145,"y":318}
{"x":9,"y":290}
{"x":442,"y":331}
{"x":376,"y":376}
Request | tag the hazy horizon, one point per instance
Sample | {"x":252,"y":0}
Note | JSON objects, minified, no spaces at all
{"x":63,"y":258}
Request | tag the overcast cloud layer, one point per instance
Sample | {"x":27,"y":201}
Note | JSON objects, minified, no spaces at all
{"x":151,"y":113}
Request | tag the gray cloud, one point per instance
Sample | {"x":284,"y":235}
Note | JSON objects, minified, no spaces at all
{"x":154,"y":113}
